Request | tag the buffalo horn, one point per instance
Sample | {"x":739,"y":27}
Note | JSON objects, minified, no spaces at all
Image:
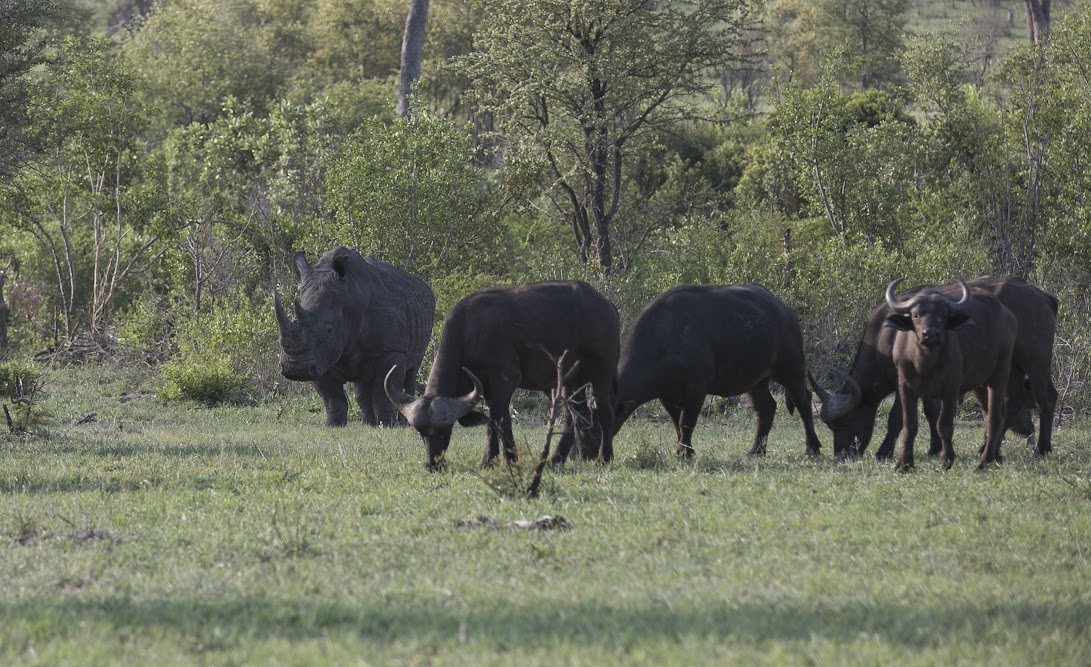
{"x":892,"y":301}
{"x":966,"y":296}
{"x":836,"y":406}
{"x":823,"y":395}
{"x":399,"y":398}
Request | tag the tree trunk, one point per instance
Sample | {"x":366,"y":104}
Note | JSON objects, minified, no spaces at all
{"x":1037,"y":20}
{"x":412,"y":50}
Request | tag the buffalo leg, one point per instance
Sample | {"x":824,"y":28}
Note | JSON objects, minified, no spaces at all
{"x":945,"y":424}
{"x":335,"y":400}
{"x":893,"y":429}
{"x":684,"y":416}
{"x":994,"y":424}
{"x":909,"y":425}
{"x":932,"y":408}
{"x":602,"y":420}
{"x":799,"y":396}
{"x":766,"y":409}
{"x":1045,"y":395}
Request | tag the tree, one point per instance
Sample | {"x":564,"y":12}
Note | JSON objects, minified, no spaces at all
{"x":194,"y":54}
{"x":409,"y":193}
{"x":20,"y":51}
{"x":1038,"y":22}
{"x":574,"y":84}
{"x":872,"y":30}
{"x":81,"y":201}
{"x":412,"y":52}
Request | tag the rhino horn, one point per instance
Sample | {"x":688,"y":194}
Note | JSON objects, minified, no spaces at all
{"x":290,"y":332}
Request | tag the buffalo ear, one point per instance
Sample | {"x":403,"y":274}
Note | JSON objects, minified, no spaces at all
{"x":959,"y":320}
{"x":899,"y":321}
{"x":473,"y":418}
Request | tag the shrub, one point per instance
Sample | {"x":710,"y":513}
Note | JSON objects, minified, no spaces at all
{"x":208,"y":381}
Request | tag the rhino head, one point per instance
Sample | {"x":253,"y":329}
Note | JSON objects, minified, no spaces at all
{"x":315,"y":341}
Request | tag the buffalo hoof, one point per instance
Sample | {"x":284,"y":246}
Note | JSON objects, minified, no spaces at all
{"x":946,"y":463}
{"x":904,"y":466}
{"x":684,"y":451}
{"x":816,"y":453}
{"x":757,"y":451}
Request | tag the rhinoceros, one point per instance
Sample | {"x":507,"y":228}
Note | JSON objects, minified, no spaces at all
{"x":356,"y":316}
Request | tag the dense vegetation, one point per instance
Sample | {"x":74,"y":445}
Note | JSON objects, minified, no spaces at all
{"x":162,"y":161}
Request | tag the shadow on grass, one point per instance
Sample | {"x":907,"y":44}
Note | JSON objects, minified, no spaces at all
{"x":240,"y":620}
{"x":125,"y":450}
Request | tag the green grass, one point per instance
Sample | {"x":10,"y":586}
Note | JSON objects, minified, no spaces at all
{"x":186,"y":535}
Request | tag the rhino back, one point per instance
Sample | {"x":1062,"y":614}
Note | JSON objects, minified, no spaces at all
{"x":411,"y":297}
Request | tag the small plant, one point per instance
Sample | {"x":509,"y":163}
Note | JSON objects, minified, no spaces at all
{"x":651,"y":456}
{"x":21,"y":388}
{"x":208,"y":381}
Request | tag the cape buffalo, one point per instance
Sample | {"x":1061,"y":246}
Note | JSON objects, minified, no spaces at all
{"x":497,"y":340}
{"x":850,"y":413}
{"x":355,"y":318}
{"x":723,"y":340}
{"x":944,"y":348}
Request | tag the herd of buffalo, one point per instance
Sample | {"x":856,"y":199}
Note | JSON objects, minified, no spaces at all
{"x":364,"y":321}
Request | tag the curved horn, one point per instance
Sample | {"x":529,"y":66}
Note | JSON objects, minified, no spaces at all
{"x":291,"y":334}
{"x":966,"y":296}
{"x":399,"y":398}
{"x":836,"y":406}
{"x":823,"y":395}
{"x":895,"y":304}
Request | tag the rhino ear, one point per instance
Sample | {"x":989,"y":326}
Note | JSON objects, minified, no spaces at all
{"x":340,"y":263}
{"x":301,"y":265}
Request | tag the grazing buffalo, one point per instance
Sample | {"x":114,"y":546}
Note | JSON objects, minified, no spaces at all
{"x":355,"y":318}
{"x":850,"y":412}
{"x":723,"y":340}
{"x":497,"y":340}
{"x":944,"y":348}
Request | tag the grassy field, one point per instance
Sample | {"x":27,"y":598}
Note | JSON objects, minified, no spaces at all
{"x":185,"y":535}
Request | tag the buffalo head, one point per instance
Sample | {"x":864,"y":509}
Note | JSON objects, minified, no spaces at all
{"x":841,"y":412}
{"x":929,"y":314}
{"x":434,"y":417}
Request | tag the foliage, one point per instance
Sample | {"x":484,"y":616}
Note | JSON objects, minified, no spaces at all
{"x":95,"y":227}
{"x":188,"y":52}
{"x":224,"y":351}
{"x":574,"y":85}
{"x":410,"y":194}
{"x":21,"y":385}
{"x":210,"y":381}
{"x":21,"y":49}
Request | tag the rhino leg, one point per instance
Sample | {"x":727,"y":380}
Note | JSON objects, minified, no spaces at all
{"x":365,"y":398}
{"x":335,"y":400}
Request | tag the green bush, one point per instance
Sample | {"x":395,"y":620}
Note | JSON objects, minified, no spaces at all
{"x":21,"y":387}
{"x":208,"y":381}
{"x":224,"y":353}
{"x":18,"y":376}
